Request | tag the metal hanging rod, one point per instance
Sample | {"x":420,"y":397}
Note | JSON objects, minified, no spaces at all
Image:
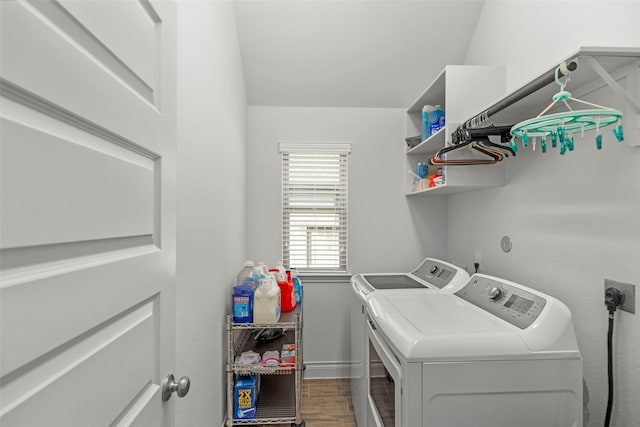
{"x":474,"y":132}
{"x":516,"y":96}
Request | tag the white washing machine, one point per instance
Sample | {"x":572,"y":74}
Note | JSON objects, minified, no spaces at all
{"x":432,"y":275}
{"x":494,"y":354}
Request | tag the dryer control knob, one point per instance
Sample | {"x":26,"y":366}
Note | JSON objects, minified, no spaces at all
{"x":434,"y":269}
{"x":495,"y":293}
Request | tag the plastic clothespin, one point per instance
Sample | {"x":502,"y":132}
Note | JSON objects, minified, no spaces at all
{"x":570,"y":142}
{"x":543,"y":144}
{"x":618,"y":132}
{"x":533,"y":144}
{"x":599,"y":141}
{"x":554,"y":139}
{"x":563,"y":145}
{"x":525,"y":140}
{"x":561,"y":134}
{"x":513,"y":144}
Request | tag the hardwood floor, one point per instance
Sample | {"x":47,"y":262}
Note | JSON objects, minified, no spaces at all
{"x":326,"y":403}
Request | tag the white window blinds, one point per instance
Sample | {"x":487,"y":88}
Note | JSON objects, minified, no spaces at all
{"x":314,"y":206}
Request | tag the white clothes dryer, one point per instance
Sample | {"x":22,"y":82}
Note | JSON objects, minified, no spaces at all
{"x":432,"y":275}
{"x":493,"y":354}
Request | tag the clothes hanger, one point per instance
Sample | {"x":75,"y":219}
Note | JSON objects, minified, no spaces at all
{"x":494,"y":156}
{"x":507,"y":151}
{"x":477,"y":139}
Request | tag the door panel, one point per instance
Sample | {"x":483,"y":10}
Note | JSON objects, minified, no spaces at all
{"x":69,"y":198}
{"x":41,"y":41}
{"x":134,"y":44}
{"x":87,"y":225}
{"x":114,"y":360}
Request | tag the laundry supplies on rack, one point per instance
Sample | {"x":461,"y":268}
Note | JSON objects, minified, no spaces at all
{"x":297,"y":286}
{"x":266,"y":301}
{"x":248,"y":275}
{"x":243,"y":293}
{"x":245,"y":396}
{"x":287,"y":290}
{"x":242,"y":303}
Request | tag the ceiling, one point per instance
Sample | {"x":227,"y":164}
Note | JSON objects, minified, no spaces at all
{"x":349,"y":53}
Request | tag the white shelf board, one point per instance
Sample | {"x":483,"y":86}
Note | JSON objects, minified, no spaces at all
{"x":430,"y":145}
{"x":445,"y":189}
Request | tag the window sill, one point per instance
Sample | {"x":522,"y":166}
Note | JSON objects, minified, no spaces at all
{"x":326,"y":277}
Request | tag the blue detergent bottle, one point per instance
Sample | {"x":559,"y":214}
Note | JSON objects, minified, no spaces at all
{"x":242,"y":303}
{"x":297,"y":286}
{"x":243,"y":292}
{"x":436,"y":120}
{"x":426,"y":133}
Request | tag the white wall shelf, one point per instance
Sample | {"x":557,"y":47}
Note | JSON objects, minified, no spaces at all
{"x":461,"y":90}
{"x":430,"y":145}
{"x":597,"y":67}
{"x":466,"y":91}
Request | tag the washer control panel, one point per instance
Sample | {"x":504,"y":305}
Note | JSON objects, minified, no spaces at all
{"x":435,"y":273}
{"x":510,"y":303}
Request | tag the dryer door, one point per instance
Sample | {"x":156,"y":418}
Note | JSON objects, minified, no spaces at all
{"x":385,"y":382}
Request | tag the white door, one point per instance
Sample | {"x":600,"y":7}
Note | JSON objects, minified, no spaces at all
{"x":87,"y":212}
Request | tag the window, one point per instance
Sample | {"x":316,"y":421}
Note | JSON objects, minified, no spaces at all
{"x":314,"y":206}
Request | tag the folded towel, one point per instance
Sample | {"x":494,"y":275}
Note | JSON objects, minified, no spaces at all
{"x":248,"y":358}
{"x":271,"y":358}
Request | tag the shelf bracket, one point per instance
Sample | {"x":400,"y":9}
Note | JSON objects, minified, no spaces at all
{"x":632,"y":100}
{"x":599,"y":69}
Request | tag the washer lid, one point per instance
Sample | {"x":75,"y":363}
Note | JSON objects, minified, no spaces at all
{"x":441,"y":326}
{"x":431,"y":274}
{"x":393,"y":281}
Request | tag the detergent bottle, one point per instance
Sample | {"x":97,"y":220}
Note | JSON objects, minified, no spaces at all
{"x":432,"y":120}
{"x":266,"y":301}
{"x":263,"y":270}
{"x":287,"y":297}
{"x":425,"y":121}
{"x":243,"y":293}
{"x":281,"y":272}
{"x":436,"y":119}
{"x":297,"y":286}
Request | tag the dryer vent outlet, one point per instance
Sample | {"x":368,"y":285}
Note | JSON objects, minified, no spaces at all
{"x":628,"y":291}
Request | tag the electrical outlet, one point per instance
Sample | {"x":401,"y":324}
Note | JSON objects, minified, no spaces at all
{"x":629,"y":292}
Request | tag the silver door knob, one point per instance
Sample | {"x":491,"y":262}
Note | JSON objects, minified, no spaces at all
{"x":169,"y":385}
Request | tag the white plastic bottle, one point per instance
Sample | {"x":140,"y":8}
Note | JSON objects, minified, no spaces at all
{"x":263,"y":269}
{"x":436,"y":119}
{"x":432,"y":120}
{"x":281,"y":275}
{"x":243,"y":292}
{"x":248,"y":275}
{"x":266,"y":301}
{"x":425,"y":121}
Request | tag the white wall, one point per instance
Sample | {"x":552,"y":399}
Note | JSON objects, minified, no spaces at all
{"x":533,"y":35}
{"x":211,"y":224}
{"x":573,"y":219}
{"x":380,"y":216}
{"x":387,"y":231}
